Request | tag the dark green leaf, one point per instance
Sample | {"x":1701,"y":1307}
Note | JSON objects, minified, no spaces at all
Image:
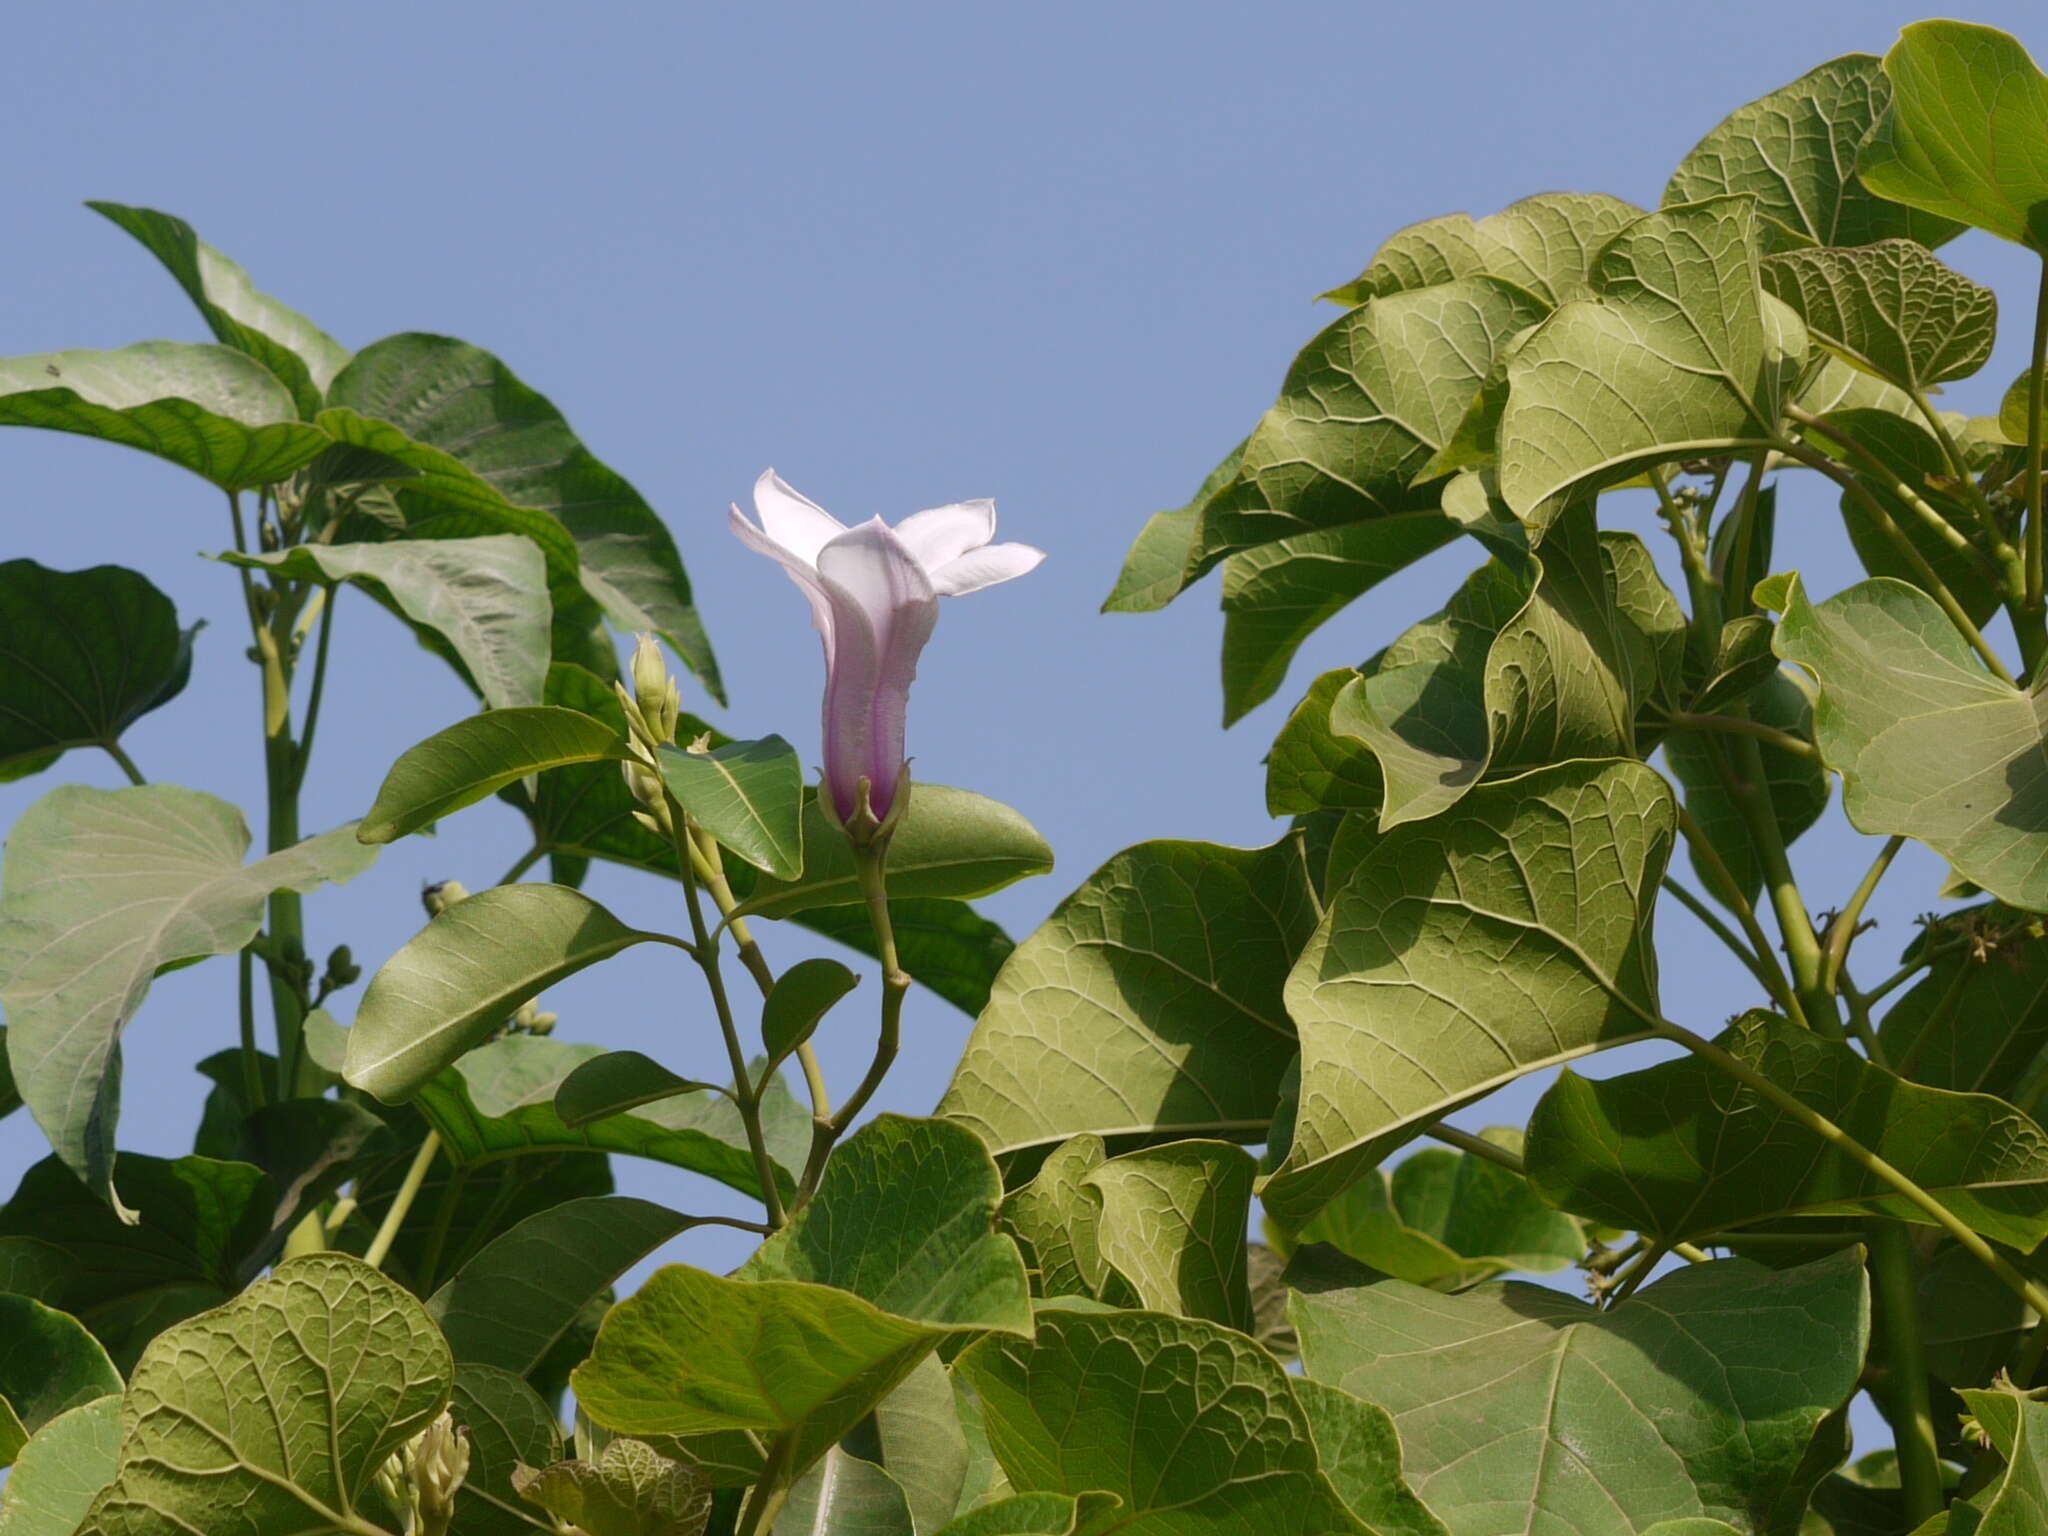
{"x":305,"y":357}
{"x":1148,"y":1004}
{"x":49,"y":1364}
{"x":1683,"y":1149}
{"x":103,"y":889}
{"x":208,"y":409}
{"x":462,"y":976}
{"x":510,"y":1429}
{"x":83,"y":656}
{"x":1039,"y":1514}
{"x":476,"y":757}
{"x":802,"y":996}
{"x":615,"y":1082}
{"x":1361,"y":1456}
{"x":749,"y":796}
{"x":1977,"y":1022}
{"x":61,"y":1470}
{"x":944,"y":945}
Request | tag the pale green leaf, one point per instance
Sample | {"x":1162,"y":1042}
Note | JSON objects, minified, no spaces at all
{"x":845,"y":1496}
{"x":1162,"y":560}
{"x":1967,"y":134}
{"x":211,"y":410}
{"x":1056,"y":1218}
{"x":1361,"y":1455}
{"x":1039,"y":1514}
{"x":1509,"y":934}
{"x":1311,"y":767}
{"x":748,"y":795}
{"x":1522,"y":1408}
{"x":951,"y":842}
{"x":459,"y":398}
{"x":102,"y":890}
{"x":302,"y":355}
{"x":1793,"y":150}
{"x":905,"y":1218}
{"x":1545,"y":244}
{"x":2017,"y":1505}
{"x":1172,"y":1225}
{"x":924,"y":1445}
{"x":83,"y":656}
{"x":1148,"y":1003}
{"x":276,"y":1411}
{"x":61,"y":1471}
{"x":511,"y":1303}
{"x":1928,"y":744}
{"x":1893,"y":308}
{"x":1683,"y":1149}
{"x":476,"y":757}
{"x":1193,"y":1426}
{"x":629,"y":1490}
{"x":462,"y":976}
{"x":486,"y":597}
{"x":1678,"y":356}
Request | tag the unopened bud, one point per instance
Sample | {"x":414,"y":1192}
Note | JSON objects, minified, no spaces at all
{"x":440,"y":1462}
{"x":442,"y":895}
{"x":644,"y":783}
{"x":654,"y":691}
{"x":342,"y":970}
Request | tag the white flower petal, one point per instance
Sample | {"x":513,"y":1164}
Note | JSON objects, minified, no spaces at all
{"x":944,"y":534}
{"x":800,"y":571}
{"x":793,"y":520}
{"x":985,"y":567}
{"x":884,"y":612}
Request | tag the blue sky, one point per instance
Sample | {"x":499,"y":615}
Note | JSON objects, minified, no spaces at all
{"x":1056,"y":254}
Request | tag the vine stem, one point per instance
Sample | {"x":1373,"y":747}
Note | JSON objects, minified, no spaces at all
{"x":1730,"y":940}
{"x":2037,"y":587}
{"x":401,"y":1203}
{"x":1767,"y":970}
{"x":1929,"y":517}
{"x":868,"y":865}
{"x":1912,"y":1419}
{"x":766,"y":1498}
{"x":1842,"y":928}
{"x":304,"y":753}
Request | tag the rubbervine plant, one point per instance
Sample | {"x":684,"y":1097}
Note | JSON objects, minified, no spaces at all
{"x":369,"y":1297}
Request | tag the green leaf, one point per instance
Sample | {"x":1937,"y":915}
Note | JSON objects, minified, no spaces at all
{"x":802,"y":996}
{"x":1798,"y":785}
{"x":1509,"y":934}
{"x":459,"y":979}
{"x":923,"y":1444}
{"x":276,"y":1411}
{"x":83,"y":656}
{"x":749,"y":796}
{"x":499,"y":1101}
{"x":509,"y":1429}
{"x":1172,"y":1225}
{"x":305,"y":357}
{"x":905,"y":1218}
{"x":49,"y":1364}
{"x":1893,"y":309}
{"x":951,"y":842}
{"x":1682,"y":1149}
{"x":615,"y":1082}
{"x":1192,"y":1425}
{"x":1057,"y":1219}
{"x":2018,"y":1503}
{"x":1678,"y":356}
{"x":845,"y":1496}
{"x":2012,"y":409}
{"x":1448,"y":1220}
{"x":1038,"y":1514}
{"x":486,"y":597}
{"x":476,"y":757}
{"x":1793,"y":149}
{"x":103,"y":889}
{"x":1361,"y":1455}
{"x":459,"y":398}
{"x":1699,"y":1396}
{"x":1161,"y":562}
{"x":691,"y":1353}
{"x":630,"y":1490}
{"x":31,"y":1267}
{"x":208,"y":409}
{"x":1977,"y":1021}
{"x":1147,"y":1004}
{"x":1545,"y":244}
{"x":61,"y":1470}
{"x":1311,"y":767}
{"x":1926,"y":742}
{"x":1967,"y":134}
{"x":946,"y":946}
{"x":509,"y":1305}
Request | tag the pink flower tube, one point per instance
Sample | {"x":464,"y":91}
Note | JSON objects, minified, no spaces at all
{"x":874,"y":593}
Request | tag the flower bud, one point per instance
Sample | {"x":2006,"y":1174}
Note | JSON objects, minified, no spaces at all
{"x":440,"y":1462}
{"x":342,"y":970}
{"x":654,"y":691}
{"x":442,"y":895}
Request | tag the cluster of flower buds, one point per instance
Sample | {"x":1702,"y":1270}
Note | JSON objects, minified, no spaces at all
{"x":437,"y":1461}
{"x":441,"y":895}
{"x":342,"y":970}
{"x":654,"y":708}
{"x":530,"y":1020}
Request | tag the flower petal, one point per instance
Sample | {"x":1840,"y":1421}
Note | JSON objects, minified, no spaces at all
{"x":985,"y":567}
{"x":944,"y":534}
{"x":793,"y":520}
{"x":883,"y":609}
{"x":800,"y":572}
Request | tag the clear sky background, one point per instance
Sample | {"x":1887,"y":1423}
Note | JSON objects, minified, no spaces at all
{"x":1057,"y":254}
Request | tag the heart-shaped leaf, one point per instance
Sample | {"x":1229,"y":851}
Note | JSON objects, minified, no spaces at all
{"x":61,"y":1470}
{"x":1893,"y":309}
{"x":509,"y":1429}
{"x":1544,"y":244}
{"x":1172,"y":1227}
{"x":629,"y":1490}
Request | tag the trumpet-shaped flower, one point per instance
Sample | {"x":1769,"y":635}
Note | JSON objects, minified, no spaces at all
{"x":874,"y":593}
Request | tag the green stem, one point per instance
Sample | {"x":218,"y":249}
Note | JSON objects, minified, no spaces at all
{"x":1859,"y":1021}
{"x":254,"y":1089}
{"x":1912,"y":500}
{"x":1767,"y":970}
{"x":1720,"y":930}
{"x":401,"y":1203}
{"x":1745,"y":529}
{"x":746,"y":1095}
{"x":319,"y":687}
{"x":523,"y":863}
{"x":1750,"y":791}
{"x":1700,"y":582}
{"x":2037,"y":589}
{"x":1737,"y":725}
{"x":1478,"y":1146}
{"x":868,"y":864}
{"x":766,"y":1498}
{"x":1637,"y":1272}
{"x":2008,"y":559}
{"x":114,"y":750}
{"x":1907,"y":1402}
{"x":1842,"y":928}
{"x":1929,"y":581}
